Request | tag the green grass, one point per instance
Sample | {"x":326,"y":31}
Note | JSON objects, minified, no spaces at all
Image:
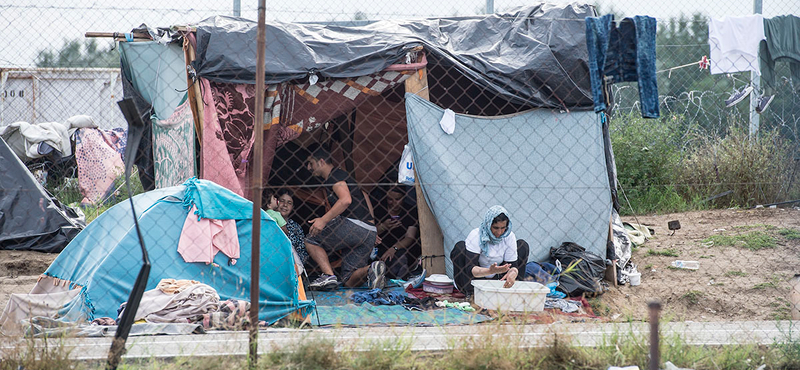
{"x":649,"y":266}
{"x":789,"y":234}
{"x":693,"y":296}
{"x":69,"y":194}
{"x":773,"y":283}
{"x":756,"y":226}
{"x":754,"y":240}
{"x":663,"y":252}
{"x":736,"y":273}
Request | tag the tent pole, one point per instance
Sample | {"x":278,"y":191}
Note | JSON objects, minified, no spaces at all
{"x":258,"y":184}
{"x":431,"y":237}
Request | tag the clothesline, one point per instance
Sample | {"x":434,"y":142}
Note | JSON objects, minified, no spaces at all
{"x":703,"y":63}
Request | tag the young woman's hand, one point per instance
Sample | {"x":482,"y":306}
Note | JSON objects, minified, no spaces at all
{"x":494,"y":269}
{"x":510,"y":277}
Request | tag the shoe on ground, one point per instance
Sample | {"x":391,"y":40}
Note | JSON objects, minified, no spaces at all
{"x":324,"y":282}
{"x":376,"y":275}
{"x":416,"y":281}
{"x":763,"y":102}
{"x":737,"y":96}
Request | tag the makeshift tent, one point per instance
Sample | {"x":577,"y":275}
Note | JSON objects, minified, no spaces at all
{"x":552,"y":191}
{"x":347,"y":83}
{"x":30,"y":218}
{"x":101,"y":263}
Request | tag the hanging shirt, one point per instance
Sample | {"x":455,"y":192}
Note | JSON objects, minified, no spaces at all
{"x":734,"y":43}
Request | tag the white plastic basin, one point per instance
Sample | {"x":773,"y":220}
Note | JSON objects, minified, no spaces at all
{"x":524,"y":296}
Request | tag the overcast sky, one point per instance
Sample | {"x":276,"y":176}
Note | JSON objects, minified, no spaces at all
{"x":32,"y":25}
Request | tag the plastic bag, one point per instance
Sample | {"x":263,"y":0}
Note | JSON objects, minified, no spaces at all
{"x":585,"y":278}
{"x":405,"y":174}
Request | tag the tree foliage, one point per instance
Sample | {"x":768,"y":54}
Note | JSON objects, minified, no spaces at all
{"x":77,"y":53}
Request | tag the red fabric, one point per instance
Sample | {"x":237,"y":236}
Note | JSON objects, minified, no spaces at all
{"x":380,"y":134}
{"x":420,"y":294}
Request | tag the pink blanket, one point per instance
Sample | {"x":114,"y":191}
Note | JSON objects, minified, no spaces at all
{"x":202,"y":238}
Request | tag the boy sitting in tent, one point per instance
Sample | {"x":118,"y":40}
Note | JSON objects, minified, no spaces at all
{"x":347,"y":228}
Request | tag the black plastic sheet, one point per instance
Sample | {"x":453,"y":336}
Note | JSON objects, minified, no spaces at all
{"x":30,"y":218}
{"x":534,"y":56}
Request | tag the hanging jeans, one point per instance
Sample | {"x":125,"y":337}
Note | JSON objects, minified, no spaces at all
{"x":623,"y":54}
{"x":782,"y":44}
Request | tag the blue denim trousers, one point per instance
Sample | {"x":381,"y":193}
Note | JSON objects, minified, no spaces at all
{"x":623,"y":54}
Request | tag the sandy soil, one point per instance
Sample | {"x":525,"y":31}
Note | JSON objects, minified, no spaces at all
{"x":733,"y":282}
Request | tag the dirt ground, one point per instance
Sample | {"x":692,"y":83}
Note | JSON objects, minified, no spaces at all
{"x":733,"y":282}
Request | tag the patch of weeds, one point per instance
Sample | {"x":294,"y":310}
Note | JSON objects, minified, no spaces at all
{"x":790,"y":234}
{"x":649,"y":266}
{"x":663,"y":252}
{"x":754,"y":240}
{"x":680,"y":269}
{"x":599,"y":308}
{"x":789,"y":349}
{"x":386,"y":354}
{"x":773,"y":283}
{"x":755,"y":226}
{"x":761,"y":286}
{"x":36,"y":354}
{"x":310,"y":354}
{"x":693,"y":296}
{"x":736,"y":273}
{"x":706,"y":256}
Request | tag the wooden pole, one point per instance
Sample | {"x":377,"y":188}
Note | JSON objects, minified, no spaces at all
{"x":431,"y":238}
{"x":258,"y":184}
{"x":119,"y":36}
{"x":194,"y":95}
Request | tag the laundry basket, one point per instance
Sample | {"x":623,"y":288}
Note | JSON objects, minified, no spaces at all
{"x":524,"y":296}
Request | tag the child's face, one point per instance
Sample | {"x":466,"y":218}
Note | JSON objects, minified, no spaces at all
{"x":273,"y":203}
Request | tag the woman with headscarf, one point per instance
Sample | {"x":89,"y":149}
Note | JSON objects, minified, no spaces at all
{"x":491,"y":251}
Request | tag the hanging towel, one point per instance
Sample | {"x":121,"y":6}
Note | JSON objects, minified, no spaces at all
{"x":202,"y":238}
{"x":734,"y":43}
{"x":448,"y":121}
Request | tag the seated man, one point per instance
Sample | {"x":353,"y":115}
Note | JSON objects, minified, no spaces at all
{"x":347,"y":228}
{"x":398,"y":230}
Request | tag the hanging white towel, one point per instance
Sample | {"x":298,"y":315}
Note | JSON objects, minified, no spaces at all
{"x":734,"y":43}
{"x":448,"y":121}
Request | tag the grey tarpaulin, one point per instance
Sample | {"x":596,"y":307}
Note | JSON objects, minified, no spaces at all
{"x":551,"y":176}
{"x":534,"y":56}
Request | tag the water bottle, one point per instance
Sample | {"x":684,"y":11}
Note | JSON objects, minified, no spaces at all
{"x":689,"y":265}
{"x":374,"y":254}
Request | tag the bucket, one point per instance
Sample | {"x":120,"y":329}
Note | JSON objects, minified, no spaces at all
{"x":635,"y":278}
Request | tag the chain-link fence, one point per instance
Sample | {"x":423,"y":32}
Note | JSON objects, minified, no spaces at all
{"x":431,"y":177}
